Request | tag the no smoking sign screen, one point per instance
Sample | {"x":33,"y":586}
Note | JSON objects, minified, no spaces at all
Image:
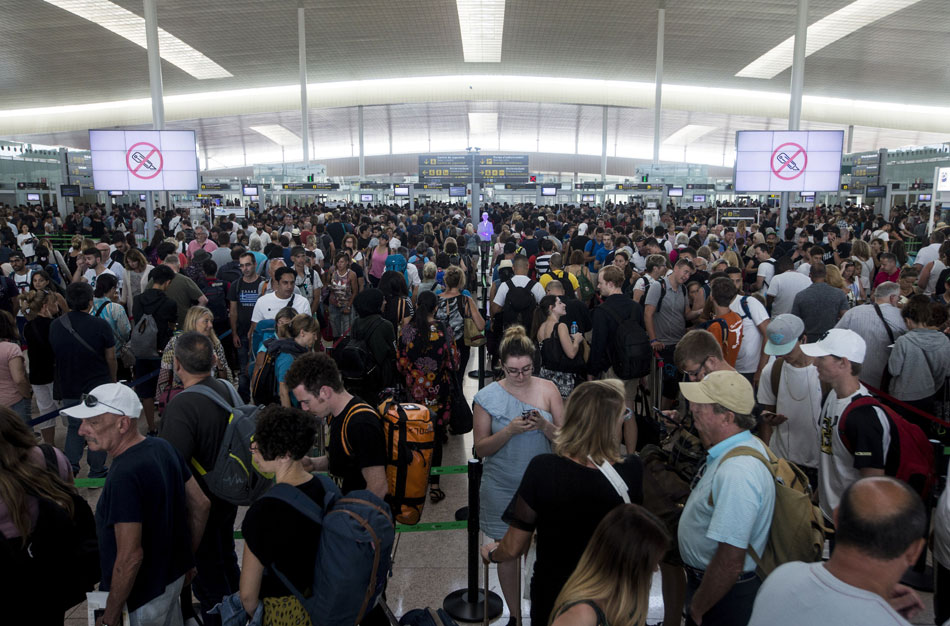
{"x":144,"y":160}
{"x":788,"y":160}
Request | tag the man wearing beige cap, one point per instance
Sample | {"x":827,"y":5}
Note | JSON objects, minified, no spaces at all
{"x":838,"y":357}
{"x":150,"y":516}
{"x":730,"y":507}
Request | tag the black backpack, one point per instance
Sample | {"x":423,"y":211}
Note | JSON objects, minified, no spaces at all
{"x":565,"y":280}
{"x":62,"y":552}
{"x":519,"y":305}
{"x":265,"y":388}
{"x":229,"y":272}
{"x":630,"y":354}
{"x":354,"y":358}
{"x":217,"y":293}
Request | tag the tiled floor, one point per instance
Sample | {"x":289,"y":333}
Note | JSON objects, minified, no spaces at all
{"x":430,"y":565}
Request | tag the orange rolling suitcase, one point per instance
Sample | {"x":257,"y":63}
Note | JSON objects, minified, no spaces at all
{"x":410,"y":439}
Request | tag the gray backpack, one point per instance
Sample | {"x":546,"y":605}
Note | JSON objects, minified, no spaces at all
{"x":144,"y":338}
{"x":235,"y":478}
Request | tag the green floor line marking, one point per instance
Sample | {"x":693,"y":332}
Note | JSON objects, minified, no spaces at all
{"x":449,"y":469}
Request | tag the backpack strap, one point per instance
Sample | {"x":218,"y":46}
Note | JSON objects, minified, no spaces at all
{"x":101,"y":308}
{"x":857,"y":403}
{"x":744,"y":305}
{"x":213,"y":395}
{"x":346,"y":422}
{"x":776,"y":376}
{"x":49,"y":454}
{"x":614,"y":478}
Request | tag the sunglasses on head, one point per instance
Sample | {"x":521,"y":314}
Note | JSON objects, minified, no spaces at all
{"x":92,"y":401}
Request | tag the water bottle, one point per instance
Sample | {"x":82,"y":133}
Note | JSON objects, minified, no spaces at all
{"x":573,"y":328}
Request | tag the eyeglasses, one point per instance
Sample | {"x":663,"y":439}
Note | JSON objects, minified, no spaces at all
{"x":92,"y":401}
{"x":524,"y":371}
{"x":695,"y":373}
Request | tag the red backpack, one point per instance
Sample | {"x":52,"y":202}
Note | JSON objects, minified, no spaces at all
{"x":915,"y":464}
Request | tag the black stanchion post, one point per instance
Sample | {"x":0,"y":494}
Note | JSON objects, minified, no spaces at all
{"x":485,"y":282}
{"x":468,"y":605}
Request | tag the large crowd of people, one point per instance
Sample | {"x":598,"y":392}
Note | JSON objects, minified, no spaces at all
{"x":608,"y":341}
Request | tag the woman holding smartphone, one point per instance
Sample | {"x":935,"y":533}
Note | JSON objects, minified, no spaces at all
{"x":516,"y":419}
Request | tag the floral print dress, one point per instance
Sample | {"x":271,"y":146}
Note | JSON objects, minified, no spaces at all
{"x":429,"y":366}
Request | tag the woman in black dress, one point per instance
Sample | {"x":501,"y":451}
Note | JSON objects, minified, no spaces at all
{"x":564,"y":496}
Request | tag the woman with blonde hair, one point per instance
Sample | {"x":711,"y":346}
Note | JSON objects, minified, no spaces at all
{"x":731,"y":258}
{"x":611,"y":584}
{"x":861,"y":254}
{"x":563,"y":496}
{"x":35,"y":487}
{"x":199,"y":319}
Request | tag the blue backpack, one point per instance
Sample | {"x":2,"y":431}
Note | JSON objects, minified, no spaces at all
{"x":398,"y":263}
{"x":354,"y":558}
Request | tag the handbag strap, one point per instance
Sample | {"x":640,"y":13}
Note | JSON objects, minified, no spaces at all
{"x":72,"y":331}
{"x":887,"y":327}
{"x":613,"y":477}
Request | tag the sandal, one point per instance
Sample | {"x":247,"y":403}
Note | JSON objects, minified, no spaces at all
{"x":436,"y":494}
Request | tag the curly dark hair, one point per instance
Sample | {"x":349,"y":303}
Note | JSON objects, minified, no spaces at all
{"x":314,"y":371}
{"x":283,"y":430}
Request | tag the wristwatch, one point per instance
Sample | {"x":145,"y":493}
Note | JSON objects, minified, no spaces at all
{"x":491,"y":558}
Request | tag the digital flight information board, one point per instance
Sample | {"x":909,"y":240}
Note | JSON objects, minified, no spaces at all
{"x":489,"y":168}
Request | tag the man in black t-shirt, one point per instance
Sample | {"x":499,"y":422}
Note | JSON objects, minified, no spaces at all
{"x":150,"y":515}
{"x":195,"y":426}
{"x":242,"y":296}
{"x":85,"y":357}
{"x":356,"y":454}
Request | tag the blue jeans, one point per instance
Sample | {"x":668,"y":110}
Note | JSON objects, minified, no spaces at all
{"x":75,"y":444}
{"x":22,"y":408}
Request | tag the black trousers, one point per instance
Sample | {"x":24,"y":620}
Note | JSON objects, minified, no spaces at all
{"x":218,"y":572}
{"x":734,"y":609}
{"x":941,"y":594}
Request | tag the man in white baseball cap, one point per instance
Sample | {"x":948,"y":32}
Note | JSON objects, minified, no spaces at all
{"x":838,"y":357}
{"x":150,"y":516}
{"x":714,"y":538}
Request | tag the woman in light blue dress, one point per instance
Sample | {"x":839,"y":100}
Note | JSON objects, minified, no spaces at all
{"x":515,"y":420}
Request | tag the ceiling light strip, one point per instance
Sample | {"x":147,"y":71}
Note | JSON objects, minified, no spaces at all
{"x":824,"y":32}
{"x":132,"y":27}
{"x":482,"y":25}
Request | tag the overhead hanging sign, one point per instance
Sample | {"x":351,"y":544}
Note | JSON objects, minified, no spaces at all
{"x":788,"y":160}
{"x":943,"y":179}
{"x":144,"y":160}
{"x":456,"y":169}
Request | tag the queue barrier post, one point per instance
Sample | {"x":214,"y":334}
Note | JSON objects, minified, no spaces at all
{"x":472,"y":603}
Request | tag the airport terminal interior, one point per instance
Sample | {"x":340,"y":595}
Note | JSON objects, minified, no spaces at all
{"x":735,"y":135}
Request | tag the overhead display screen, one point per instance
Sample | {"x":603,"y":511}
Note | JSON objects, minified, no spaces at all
{"x":401,"y":191}
{"x":457,"y":192}
{"x":875,"y":191}
{"x":489,"y":168}
{"x":676,"y":192}
{"x":32,"y":197}
{"x":788,"y":160}
{"x":249,"y":190}
{"x":366,"y":197}
{"x":70,"y":191}
{"x":144,"y":160}
{"x":699,"y":197}
{"x":549,"y":191}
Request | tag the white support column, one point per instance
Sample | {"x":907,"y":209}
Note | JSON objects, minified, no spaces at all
{"x":660,"y":28}
{"x":362,"y":154}
{"x":603,"y":161}
{"x":850,"y":138}
{"x":302,"y":59}
{"x":158,"y":103}
{"x":795,"y":99}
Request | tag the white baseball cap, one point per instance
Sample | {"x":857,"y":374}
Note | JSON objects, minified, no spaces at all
{"x":110,"y":398}
{"x":839,"y":342}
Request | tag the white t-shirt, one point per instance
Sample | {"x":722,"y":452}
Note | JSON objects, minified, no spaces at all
{"x":807,"y":593}
{"x":799,"y":399}
{"x":267,"y":306}
{"x":784,"y":288}
{"x":413,"y":273}
{"x":927,"y":254}
{"x":518,"y":281}
{"x":836,"y":469}
{"x":751,"y":349}
{"x":766,"y":271}
{"x":91,"y":276}
{"x":118,"y":270}
{"x":804,"y":268}
{"x":935,"y":271}
{"x":25,"y":241}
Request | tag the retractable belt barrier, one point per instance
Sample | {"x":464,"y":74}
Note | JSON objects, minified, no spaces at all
{"x":400,"y":528}
{"x":907,"y":407}
{"x":133,"y":384}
